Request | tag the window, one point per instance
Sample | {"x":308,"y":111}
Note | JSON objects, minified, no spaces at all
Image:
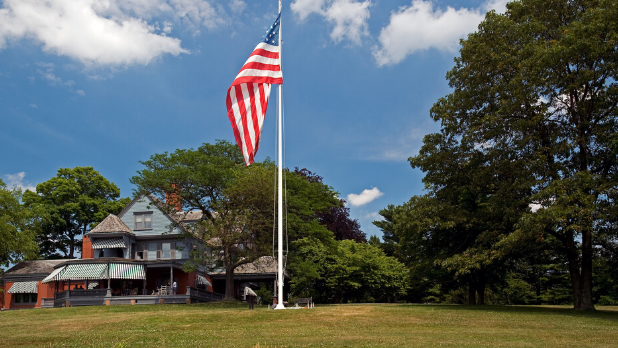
{"x":24,"y":298}
{"x":139,"y":252}
{"x":152,"y":251}
{"x":143,"y":220}
{"x":166,"y":252}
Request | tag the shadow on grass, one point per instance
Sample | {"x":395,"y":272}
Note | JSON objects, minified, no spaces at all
{"x":532,"y":310}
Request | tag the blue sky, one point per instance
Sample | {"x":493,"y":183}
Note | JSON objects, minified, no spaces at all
{"x":109,"y":83}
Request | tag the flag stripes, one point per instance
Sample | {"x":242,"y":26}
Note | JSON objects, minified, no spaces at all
{"x":247,"y":97}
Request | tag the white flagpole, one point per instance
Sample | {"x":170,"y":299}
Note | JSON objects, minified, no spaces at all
{"x":280,"y":192}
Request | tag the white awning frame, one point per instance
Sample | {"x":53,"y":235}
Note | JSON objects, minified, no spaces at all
{"x":54,"y":276}
{"x":203,"y":280}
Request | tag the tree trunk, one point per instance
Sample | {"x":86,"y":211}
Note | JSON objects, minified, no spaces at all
{"x":471,"y":294}
{"x":581,"y":283}
{"x":72,"y":246}
{"x":229,"y":282}
{"x":480,"y":291}
{"x":585,"y":302}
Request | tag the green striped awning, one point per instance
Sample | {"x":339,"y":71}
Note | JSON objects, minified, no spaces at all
{"x":85,"y":271}
{"x":126,"y":271}
{"x":203,"y":280}
{"x":108,"y":243}
{"x":24,"y":288}
{"x":54,"y":276}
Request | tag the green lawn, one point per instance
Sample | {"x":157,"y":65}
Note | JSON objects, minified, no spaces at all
{"x":232,"y":325}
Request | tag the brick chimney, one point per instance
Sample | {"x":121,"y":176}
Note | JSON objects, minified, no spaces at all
{"x":173,"y":198}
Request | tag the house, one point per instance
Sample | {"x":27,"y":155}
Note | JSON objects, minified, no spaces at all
{"x":131,"y":258}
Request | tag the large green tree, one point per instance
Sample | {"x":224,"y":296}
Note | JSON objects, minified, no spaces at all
{"x":346,"y":271}
{"x":535,"y":96}
{"x":70,"y":203}
{"x":236,"y":203}
{"x":19,"y":226}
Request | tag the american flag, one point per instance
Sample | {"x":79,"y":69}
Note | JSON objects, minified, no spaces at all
{"x":247,"y":97}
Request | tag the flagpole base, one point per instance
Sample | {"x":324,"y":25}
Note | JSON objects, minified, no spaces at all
{"x":279,"y":306}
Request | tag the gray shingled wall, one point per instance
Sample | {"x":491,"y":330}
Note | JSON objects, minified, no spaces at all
{"x":160,"y":222}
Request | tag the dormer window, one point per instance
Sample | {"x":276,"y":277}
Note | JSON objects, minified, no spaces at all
{"x":143,"y":220}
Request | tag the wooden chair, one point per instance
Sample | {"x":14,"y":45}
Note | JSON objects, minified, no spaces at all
{"x":163,"y":290}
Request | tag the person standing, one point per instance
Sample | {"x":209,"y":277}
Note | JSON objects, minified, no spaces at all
{"x":174,"y":288}
{"x":251,"y":300}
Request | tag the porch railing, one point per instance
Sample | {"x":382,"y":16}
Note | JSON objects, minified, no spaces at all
{"x":88,"y":293}
{"x":202,"y":295}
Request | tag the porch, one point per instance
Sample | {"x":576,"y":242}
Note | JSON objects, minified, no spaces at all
{"x":104,"y":297}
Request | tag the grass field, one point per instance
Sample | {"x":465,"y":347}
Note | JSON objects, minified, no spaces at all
{"x":232,"y":325}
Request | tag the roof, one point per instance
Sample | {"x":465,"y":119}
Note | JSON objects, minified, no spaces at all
{"x":265,"y":264}
{"x":180,"y":218}
{"x":189,"y":216}
{"x":33,"y":267}
{"x":111,"y":224}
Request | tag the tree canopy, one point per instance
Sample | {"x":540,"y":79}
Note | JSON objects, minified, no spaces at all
{"x":527,"y":151}
{"x":71,"y":202}
{"x":19,"y":227}
{"x":236,"y":201}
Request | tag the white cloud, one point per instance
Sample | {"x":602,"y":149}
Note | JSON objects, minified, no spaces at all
{"x":17,"y":180}
{"x":303,"y":8}
{"x":364,"y":197}
{"x":80,"y":93}
{"x":348,"y":18}
{"x":34,"y":106}
{"x":420,"y":27}
{"x":373,"y":216}
{"x":97,"y":32}
{"x":238,"y":6}
{"x":197,"y":12}
{"x":53,"y":80}
{"x":167,"y":27}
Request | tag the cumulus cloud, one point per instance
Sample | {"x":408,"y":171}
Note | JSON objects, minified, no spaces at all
{"x":364,"y":197}
{"x":348,"y":18}
{"x":101,"y":33}
{"x":421,"y":26}
{"x":17,"y":181}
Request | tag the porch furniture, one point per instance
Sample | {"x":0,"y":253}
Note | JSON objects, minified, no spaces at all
{"x":163,"y":290}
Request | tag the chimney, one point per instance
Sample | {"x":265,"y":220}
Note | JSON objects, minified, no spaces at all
{"x":172,"y":198}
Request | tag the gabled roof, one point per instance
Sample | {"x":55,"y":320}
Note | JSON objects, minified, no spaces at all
{"x":180,"y":218}
{"x":111,"y":224}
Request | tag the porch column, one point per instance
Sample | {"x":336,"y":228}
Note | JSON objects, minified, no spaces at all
{"x":109,"y":284}
{"x":171,"y":278}
{"x":144,"y":290}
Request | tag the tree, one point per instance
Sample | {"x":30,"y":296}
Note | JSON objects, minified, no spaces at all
{"x":198,"y":180}
{"x":19,"y":226}
{"x":71,"y":202}
{"x":236,"y":202}
{"x":337,"y":218}
{"x":535,"y":91}
{"x":346,"y":272}
{"x":241,"y":229}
